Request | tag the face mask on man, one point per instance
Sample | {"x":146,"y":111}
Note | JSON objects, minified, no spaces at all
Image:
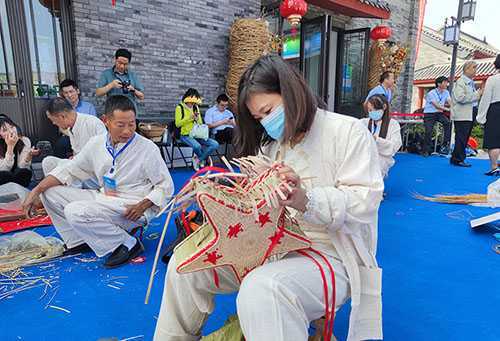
{"x":274,"y":123}
{"x":376,"y":115}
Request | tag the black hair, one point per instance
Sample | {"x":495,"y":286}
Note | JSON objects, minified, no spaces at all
{"x":123,"y":53}
{"x":68,"y":82}
{"x":58,"y":105}
{"x":378,"y":102}
{"x":191,"y":92}
{"x":272,"y":75}
{"x":222,"y":98}
{"x":440,"y":80}
{"x":118,"y":102}
{"x":385,"y":75}
{"x":4,"y":119}
{"x":497,"y":62}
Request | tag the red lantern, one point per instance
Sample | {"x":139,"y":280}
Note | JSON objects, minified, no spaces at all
{"x":293,"y":11}
{"x":380,"y":32}
{"x":113,"y":3}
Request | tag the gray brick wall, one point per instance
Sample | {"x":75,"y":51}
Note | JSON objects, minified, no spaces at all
{"x":404,"y":22}
{"x":175,"y":44}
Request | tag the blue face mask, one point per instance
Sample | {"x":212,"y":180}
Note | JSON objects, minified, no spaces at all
{"x":274,"y":123}
{"x":376,"y":115}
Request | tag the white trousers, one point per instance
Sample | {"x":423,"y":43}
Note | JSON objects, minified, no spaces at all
{"x":49,"y":163}
{"x":80,"y":216}
{"x":276,"y":302}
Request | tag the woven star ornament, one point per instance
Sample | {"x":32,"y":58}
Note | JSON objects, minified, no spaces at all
{"x":243,"y":223}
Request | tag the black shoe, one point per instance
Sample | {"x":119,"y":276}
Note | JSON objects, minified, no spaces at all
{"x":122,"y":255}
{"x":82,"y":248}
{"x":460,"y":163}
{"x":493,"y":172}
{"x":425,"y":154}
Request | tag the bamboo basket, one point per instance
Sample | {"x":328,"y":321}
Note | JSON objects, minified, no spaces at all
{"x":153,"y":130}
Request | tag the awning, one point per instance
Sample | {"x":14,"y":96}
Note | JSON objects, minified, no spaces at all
{"x":356,"y":8}
{"x":427,"y":75}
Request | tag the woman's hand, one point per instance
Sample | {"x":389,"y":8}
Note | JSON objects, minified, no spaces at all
{"x":295,"y":195}
{"x":11,"y":139}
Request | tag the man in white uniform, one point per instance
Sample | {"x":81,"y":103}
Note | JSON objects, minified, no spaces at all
{"x":79,"y":127}
{"x":133,"y":179}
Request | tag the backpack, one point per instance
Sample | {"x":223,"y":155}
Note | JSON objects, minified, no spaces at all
{"x":176,"y":131}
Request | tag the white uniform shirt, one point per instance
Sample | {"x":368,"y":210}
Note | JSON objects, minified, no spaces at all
{"x":86,"y":127}
{"x":491,"y":95}
{"x":387,"y":147}
{"x":140,"y":172}
{"x":344,"y":196}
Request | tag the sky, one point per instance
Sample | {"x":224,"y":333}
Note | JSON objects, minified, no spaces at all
{"x":486,"y":22}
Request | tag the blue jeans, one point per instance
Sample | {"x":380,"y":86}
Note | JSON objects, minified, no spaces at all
{"x":202,"y":148}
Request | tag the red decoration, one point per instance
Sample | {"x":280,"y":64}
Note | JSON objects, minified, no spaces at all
{"x":234,"y":230}
{"x":380,"y":32}
{"x":264,"y":219}
{"x":113,"y":3}
{"x":212,"y":257}
{"x":293,"y":11}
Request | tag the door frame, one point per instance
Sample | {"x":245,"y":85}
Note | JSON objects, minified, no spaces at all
{"x":340,"y":62}
{"x":18,"y":29}
{"x":325,"y":23}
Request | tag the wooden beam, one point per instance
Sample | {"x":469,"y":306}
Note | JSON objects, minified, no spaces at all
{"x":352,"y":8}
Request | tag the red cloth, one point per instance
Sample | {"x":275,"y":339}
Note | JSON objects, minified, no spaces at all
{"x":16,"y":225}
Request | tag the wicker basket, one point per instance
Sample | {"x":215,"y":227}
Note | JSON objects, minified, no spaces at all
{"x":152,"y":130}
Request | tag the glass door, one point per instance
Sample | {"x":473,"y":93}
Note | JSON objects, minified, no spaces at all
{"x":314,"y":38}
{"x":35,"y":52}
{"x":353,"y":72}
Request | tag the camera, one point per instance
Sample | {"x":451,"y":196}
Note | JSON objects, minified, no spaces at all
{"x":125,"y":85}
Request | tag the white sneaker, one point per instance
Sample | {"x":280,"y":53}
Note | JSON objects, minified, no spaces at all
{"x":196,"y":163}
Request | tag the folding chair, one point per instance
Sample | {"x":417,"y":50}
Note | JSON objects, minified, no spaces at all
{"x":174,"y":134}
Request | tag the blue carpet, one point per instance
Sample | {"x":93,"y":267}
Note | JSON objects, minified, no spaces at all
{"x":441,"y":279}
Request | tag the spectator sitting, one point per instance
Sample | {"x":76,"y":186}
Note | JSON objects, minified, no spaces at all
{"x":220,"y":120}
{"x":70,"y":91}
{"x":15,"y":154}
{"x":187,"y":114}
{"x":385,"y":131}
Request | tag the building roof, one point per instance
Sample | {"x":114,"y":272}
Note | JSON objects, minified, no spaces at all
{"x":427,"y":75}
{"x":468,"y":47}
{"x":377,"y":3}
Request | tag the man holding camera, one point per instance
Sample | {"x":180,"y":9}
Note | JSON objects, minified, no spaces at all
{"x":119,"y":80}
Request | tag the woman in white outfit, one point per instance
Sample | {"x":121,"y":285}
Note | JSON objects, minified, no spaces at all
{"x":385,"y":131}
{"x":336,"y":206}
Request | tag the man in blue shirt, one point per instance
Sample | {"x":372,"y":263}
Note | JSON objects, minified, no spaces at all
{"x":437,"y":102}
{"x":70,"y":91}
{"x":119,"y":80}
{"x":385,"y":87}
{"x":220,"y":120}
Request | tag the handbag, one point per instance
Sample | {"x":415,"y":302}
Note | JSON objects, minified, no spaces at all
{"x":199,"y":131}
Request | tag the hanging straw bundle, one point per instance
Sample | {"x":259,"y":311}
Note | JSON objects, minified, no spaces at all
{"x":465,"y":199}
{"x":385,"y":56}
{"x":249,"y":39}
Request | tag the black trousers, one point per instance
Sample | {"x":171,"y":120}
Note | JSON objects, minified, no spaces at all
{"x":224,"y":136}
{"x":462,"y":134}
{"x":21,"y":176}
{"x":429,"y":120}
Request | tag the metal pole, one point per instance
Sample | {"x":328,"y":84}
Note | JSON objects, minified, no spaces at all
{"x":455,"y":46}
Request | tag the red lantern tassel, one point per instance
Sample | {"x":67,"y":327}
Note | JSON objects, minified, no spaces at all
{"x":113,"y":3}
